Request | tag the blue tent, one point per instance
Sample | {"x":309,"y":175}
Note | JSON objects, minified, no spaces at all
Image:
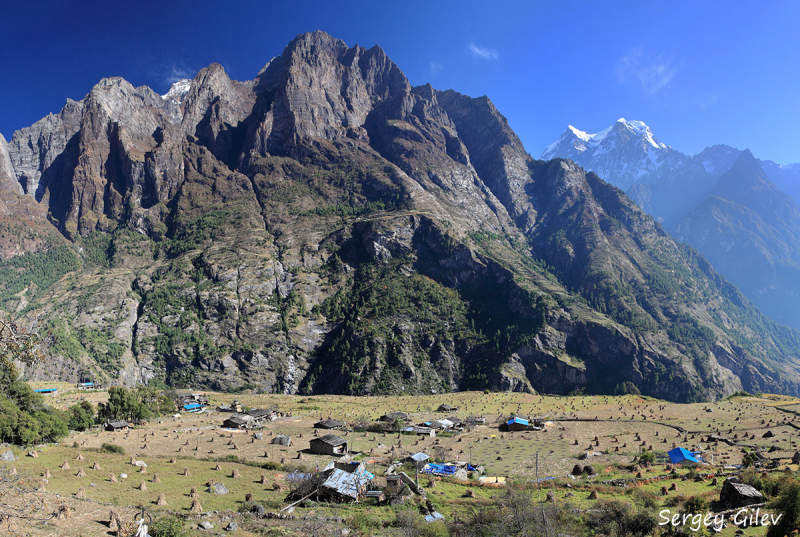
{"x":682,"y":456}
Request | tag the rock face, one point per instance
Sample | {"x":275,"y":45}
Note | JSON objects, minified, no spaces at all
{"x":327,"y":227}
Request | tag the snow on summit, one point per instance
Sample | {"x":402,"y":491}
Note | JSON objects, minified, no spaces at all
{"x":178,"y":90}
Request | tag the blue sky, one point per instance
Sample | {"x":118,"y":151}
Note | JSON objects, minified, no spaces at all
{"x":698,"y":73}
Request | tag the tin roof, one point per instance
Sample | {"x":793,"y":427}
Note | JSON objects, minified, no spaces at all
{"x":331,"y":440}
{"x":518,"y":420}
{"x":329,"y":424}
{"x":419,"y":457}
{"x":347,"y":483}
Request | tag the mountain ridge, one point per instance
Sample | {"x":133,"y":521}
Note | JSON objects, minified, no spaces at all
{"x":327,"y":227}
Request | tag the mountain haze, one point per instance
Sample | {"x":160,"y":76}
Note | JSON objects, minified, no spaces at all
{"x":327,"y":227}
{"x":721,"y":201}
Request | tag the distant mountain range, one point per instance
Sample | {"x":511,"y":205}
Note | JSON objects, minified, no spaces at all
{"x":741,"y":213}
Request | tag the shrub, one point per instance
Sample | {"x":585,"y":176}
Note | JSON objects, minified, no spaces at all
{"x":112,"y":448}
{"x":647,"y":457}
{"x":168,"y":526}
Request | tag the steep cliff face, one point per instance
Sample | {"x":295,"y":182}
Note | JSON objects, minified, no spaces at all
{"x":327,"y":227}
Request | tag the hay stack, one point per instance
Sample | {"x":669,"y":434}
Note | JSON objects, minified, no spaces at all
{"x":162,"y":500}
{"x":248,"y":497}
{"x":193,"y":493}
{"x":593,"y":495}
{"x":142,"y":486}
{"x":263,"y":479}
{"x":95,"y":466}
{"x":112,"y":478}
{"x":80,"y":473}
{"x":46,"y":473}
{"x":218,"y":468}
{"x":65,"y":466}
{"x":81,"y":494}
{"x":195,"y":508}
{"x":235,"y":474}
{"x":673,"y":486}
{"x":79,"y":457}
{"x":143,"y":470}
{"x":156,"y":479}
{"x":186,"y":472}
{"x":173,"y":460}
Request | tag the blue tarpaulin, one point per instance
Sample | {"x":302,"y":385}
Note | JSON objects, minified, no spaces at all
{"x":439,"y":469}
{"x":433,"y":517}
{"x":518,"y":421}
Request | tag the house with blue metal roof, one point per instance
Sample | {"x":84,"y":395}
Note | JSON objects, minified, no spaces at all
{"x":683,"y":457}
{"x":517,"y":424}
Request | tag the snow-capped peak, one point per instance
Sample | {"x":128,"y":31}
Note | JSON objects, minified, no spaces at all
{"x":641,"y":129}
{"x":178,"y":90}
{"x":580,"y":134}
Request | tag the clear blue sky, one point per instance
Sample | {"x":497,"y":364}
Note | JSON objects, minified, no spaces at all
{"x":698,"y":73}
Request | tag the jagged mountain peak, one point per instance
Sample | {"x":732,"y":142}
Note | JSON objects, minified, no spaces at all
{"x":178,"y":89}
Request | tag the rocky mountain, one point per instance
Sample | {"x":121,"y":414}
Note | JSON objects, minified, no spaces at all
{"x":327,"y":227}
{"x":721,"y":201}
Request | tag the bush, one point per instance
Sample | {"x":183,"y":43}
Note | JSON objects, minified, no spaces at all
{"x":364,"y":523}
{"x":247,"y":507}
{"x":647,"y":457}
{"x":788,"y":503}
{"x":168,"y":526}
{"x":695,"y":504}
{"x":112,"y":448}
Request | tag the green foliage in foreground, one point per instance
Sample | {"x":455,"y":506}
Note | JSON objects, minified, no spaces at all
{"x":24,"y":418}
{"x":168,"y":526}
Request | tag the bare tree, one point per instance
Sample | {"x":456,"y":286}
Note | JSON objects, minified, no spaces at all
{"x":19,"y":344}
{"x":19,"y":500}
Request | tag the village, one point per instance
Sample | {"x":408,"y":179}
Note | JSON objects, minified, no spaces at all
{"x":240,"y":462}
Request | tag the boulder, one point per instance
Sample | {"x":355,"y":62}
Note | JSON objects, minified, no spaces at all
{"x":218,"y":488}
{"x":8,"y":456}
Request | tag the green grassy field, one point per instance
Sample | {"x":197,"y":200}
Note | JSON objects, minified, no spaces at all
{"x":617,"y":428}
